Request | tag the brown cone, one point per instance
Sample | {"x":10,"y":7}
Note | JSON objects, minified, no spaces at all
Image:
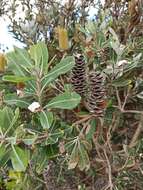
{"x":78,"y":76}
{"x":95,"y":100}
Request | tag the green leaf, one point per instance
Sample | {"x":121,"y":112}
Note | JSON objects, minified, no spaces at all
{"x":6,"y":116}
{"x":15,"y":180}
{"x":41,"y":156}
{"x":16,"y":79}
{"x":19,"y":158}
{"x":24,"y":57}
{"x":30,"y":139}
{"x":121,"y":82}
{"x":39,"y":53}
{"x":40,"y":159}
{"x":84,"y":162}
{"x":2,"y":151}
{"x":11,"y":140}
{"x":52,"y":151}
{"x":79,"y":156}
{"x":91,"y":131}
{"x":13,"y":64}
{"x":4,"y":155}
{"x":140,"y":95}
{"x":131,"y":66}
{"x":30,"y":88}
{"x":12,"y":99}
{"x":46,"y":119}
{"x":14,"y":120}
{"x":63,"y":67}
{"x":53,"y":137}
{"x":74,"y":158}
{"x":19,"y":61}
{"x":65,"y":101}
{"x":87,"y":144}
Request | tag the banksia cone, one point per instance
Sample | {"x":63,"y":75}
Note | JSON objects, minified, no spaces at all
{"x":63,"y":38}
{"x":3,"y":62}
{"x":95,"y":101}
{"x":78,"y":76}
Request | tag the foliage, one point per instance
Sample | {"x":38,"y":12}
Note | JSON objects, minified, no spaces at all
{"x":47,"y":135}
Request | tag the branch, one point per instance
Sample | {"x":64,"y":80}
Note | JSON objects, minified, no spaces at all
{"x":137,"y":133}
{"x":128,"y":111}
{"x":118,"y":99}
{"x":110,"y":185}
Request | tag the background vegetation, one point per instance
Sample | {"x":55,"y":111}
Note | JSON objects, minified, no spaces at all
{"x":71,"y":112}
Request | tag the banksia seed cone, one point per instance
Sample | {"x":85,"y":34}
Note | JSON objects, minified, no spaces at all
{"x":95,"y":101}
{"x":78,"y":76}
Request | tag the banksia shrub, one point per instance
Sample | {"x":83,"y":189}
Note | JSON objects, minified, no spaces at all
{"x":78,"y":76}
{"x":95,"y":101}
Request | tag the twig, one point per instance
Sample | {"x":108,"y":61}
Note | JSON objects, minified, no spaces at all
{"x":82,"y":120}
{"x":118,"y":99}
{"x":132,"y":111}
{"x":125,"y":100}
{"x":121,"y":107}
{"x":109,"y":171}
{"x":51,"y":61}
{"x":38,"y":87}
{"x":109,"y":137}
{"x":115,"y":121}
{"x":137,"y":133}
{"x":128,"y":111}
